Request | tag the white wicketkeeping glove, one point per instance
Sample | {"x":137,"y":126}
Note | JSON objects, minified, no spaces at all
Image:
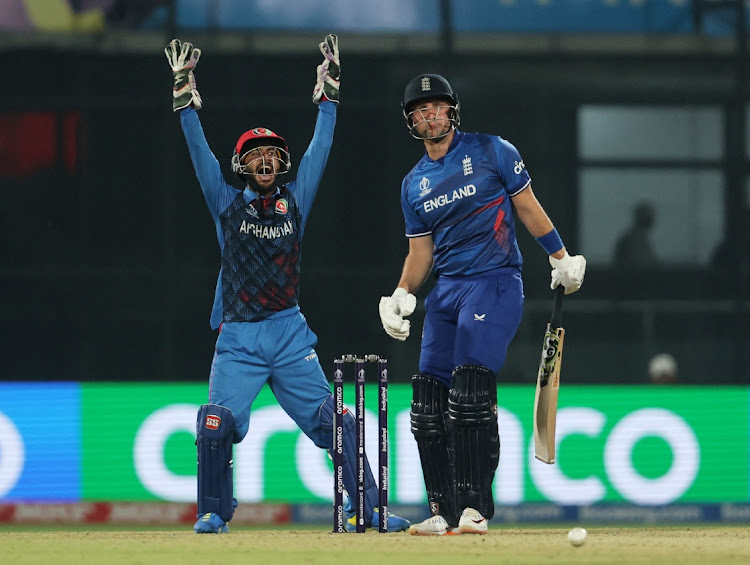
{"x":329,"y":71}
{"x":393,"y":308}
{"x":568,"y":271}
{"x":183,"y":58}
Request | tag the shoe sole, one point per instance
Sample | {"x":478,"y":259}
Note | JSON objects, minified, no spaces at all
{"x":222,"y":530}
{"x":471,"y":530}
{"x":452,"y":532}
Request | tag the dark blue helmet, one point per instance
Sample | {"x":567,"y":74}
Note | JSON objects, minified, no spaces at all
{"x":428,"y":87}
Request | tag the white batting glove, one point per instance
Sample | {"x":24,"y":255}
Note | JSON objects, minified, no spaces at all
{"x":568,"y":271}
{"x":183,"y":58}
{"x":393,"y":308}
{"x":328,"y":72}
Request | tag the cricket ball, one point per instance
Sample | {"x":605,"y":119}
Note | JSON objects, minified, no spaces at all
{"x":577,"y":536}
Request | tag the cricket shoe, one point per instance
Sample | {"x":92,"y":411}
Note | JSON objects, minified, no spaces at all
{"x":433,"y":526}
{"x":472,"y":522}
{"x":395,"y":523}
{"x":210,"y":523}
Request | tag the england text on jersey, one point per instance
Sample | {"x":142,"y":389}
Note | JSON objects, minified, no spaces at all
{"x":443,"y":199}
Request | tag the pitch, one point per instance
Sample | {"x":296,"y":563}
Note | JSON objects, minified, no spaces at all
{"x":688,"y":544}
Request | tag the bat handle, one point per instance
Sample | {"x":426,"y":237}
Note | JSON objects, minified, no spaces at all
{"x":557,"y":307}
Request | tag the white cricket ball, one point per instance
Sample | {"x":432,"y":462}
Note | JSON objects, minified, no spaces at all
{"x":577,"y":536}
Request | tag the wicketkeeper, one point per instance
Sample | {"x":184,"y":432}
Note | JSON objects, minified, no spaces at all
{"x":263,"y":336}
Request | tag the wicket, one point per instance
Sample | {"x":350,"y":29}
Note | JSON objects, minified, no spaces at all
{"x":338,"y":441}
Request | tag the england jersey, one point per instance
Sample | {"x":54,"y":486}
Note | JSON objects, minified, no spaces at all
{"x":463,"y":201}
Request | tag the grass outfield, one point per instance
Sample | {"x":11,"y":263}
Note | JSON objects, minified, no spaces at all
{"x":654,"y":545}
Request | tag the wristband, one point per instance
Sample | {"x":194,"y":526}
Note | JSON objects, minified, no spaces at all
{"x":551,"y":242}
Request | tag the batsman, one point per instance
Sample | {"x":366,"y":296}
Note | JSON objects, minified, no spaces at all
{"x":263,"y":336}
{"x":458,"y":204}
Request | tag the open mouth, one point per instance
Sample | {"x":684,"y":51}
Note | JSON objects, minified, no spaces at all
{"x":264,"y":173}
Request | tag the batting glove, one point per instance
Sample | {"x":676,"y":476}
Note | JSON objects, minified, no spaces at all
{"x":568,"y":271}
{"x":329,"y":72}
{"x":183,"y":58}
{"x":392,"y":311}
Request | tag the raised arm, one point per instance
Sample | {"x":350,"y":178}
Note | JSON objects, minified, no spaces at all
{"x":326,"y":96}
{"x":205,"y":163}
{"x":183,"y":58}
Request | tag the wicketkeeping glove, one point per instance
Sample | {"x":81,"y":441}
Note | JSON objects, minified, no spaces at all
{"x":329,"y":72}
{"x":392,"y":311}
{"x":183,"y":58}
{"x":568,"y":271}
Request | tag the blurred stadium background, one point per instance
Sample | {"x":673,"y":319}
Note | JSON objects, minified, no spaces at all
{"x":108,"y":258}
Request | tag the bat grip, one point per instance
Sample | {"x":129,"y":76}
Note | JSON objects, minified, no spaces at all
{"x":557,"y":307}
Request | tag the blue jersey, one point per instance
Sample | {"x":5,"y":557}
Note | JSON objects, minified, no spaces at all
{"x":463,"y":201}
{"x":260,"y":238}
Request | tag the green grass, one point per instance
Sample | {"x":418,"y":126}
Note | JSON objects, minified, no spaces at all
{"x":652,"y":545}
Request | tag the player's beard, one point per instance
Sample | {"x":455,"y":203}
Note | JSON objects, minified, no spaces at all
{"x":264,"y":188}
{"x":437,"y":134}
{"x":263,"y":181}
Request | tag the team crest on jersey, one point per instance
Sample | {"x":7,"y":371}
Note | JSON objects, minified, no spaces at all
{"x":468,"y":169}
{"x":424,"y":186}
{"x":282,"y":206}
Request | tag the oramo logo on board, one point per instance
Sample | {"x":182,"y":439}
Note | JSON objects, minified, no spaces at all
{"x":610,"y":473}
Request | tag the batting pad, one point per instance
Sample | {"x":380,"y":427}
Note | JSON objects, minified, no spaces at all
{"x":473,"y":436}
{"x":429,"y":402}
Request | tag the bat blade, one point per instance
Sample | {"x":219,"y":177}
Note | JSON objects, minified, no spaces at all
{"x":548,"y":386}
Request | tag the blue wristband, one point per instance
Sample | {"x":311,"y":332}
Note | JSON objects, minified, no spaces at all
{"x":551,"y":242}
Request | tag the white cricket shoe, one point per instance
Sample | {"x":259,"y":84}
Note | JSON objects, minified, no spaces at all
{"x":433,"y":526}
{"x":472,"y":522}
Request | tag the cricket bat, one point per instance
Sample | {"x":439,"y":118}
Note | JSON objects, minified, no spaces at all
{"x":548,"y":384}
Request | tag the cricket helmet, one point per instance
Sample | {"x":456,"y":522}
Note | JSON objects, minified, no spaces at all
{"x":428,"y":87}
{"x":259,"y":137}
